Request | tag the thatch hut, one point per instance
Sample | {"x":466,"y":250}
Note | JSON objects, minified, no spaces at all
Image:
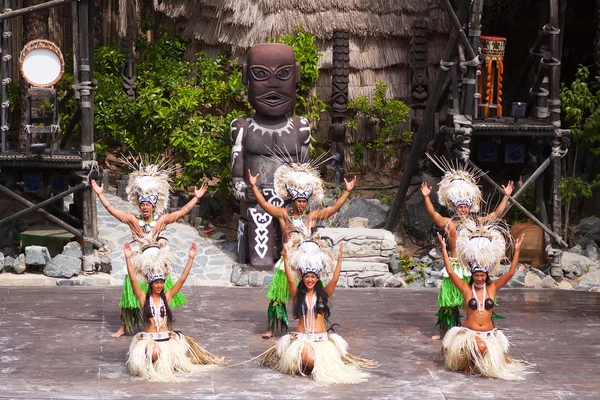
{"x":380,"y":33}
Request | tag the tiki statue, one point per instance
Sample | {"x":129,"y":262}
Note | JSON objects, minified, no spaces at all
{"x":271,"y":73}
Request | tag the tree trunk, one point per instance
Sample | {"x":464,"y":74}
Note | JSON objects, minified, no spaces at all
{"x":35,"y":26}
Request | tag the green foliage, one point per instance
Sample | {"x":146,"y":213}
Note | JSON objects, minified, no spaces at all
{"x":581,"y":107}
{"x":181,"y":108}
{"x":307,"y":54}
{"x":386,"y":115}
{"x":407,"y":263}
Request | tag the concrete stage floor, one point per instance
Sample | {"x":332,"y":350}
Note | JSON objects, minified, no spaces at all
{"x":55,"y":343}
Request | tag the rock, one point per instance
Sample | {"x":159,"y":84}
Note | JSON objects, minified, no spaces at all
{"x":416,"y":219}
{"x":430,"y":282}
{"x":62,"y":266}
{"x":437,"y":265}
{"x":591,"y":251}
{"x":395,"y":281}
{"x":435,"y":254}
{"x":105,"y":264}
{"x":267,"y":280}
{"x":218,"y":235}
{"x":587,"y":231}
{"x":590,"y":280}
{"x":532,"y":280}
{"x":379,"y":281}
{"x":426,"y":260}
{"x":19,"y":264}
{"x":518,"y":280}
{"x":358,"y":222}
{"x":239,"y":275}
{"x":415,"y":285}
{"x":427,"y":270}
{"x":436,"y":274}
{"x":253,"y":279}
{"x":36,"y":256}
{"x":76,"y":282}
{"x":438,"y":283}
{"x":1,"y":262}
{"x":371,"y":209}
{"x":564,"y":284}
{"x":360,"y":243}
{"x":537,"y":272}
{"x":576,"y":249}
{"x":574,"y":264}
{"x":8,"y":264}
{"x":72,"y":249}
{"x":342,"y":282}
{"x":361,"y":283}
{"x":548,"y":283}
{"x":395,"y":264}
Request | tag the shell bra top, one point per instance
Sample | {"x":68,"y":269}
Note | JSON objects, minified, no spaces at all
{"x":489,"y":304}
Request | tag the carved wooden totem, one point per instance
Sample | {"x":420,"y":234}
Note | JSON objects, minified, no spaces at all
{"x":271,"y":74}
{"x":339,"y":100}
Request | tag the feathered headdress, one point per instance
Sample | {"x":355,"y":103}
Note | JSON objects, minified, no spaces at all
{"x":153,"y":263}
{"x":311,"y":256}
{"x":149,"y":182}
{"x":297,"y":179}
{"x":482,"y":245}
{"x":458,"y":185}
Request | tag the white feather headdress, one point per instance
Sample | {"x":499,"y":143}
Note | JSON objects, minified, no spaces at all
{"x":313,"y":255}
{"x":150,"y":182}
{"x":482,"y":245}
{"x":298,"y":179}
{"x":153,"y":262}
{"x":458,"y":185}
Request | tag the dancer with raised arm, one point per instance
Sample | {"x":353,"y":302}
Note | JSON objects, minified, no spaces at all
{"x":158,"y":353}
{"x":458,"y":192}
{"x":311,"y":350}
{"x":477,"y":346}
{"x":298,"y":183}
{"x":148,"y":190}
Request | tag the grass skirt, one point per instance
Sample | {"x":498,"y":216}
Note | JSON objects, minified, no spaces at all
{"x":460,"y":346}
{"x":130,"y":306}
{"x":450,"y":300}
{"x":332,"y":362}
{"x":172,"y":358}
{"x":278,"y":294}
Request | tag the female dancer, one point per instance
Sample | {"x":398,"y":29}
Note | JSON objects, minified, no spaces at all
{"x":311,"y":350}
{"x":148,"y":189}
{"x":158,"y":353}
{"x":477,"y":346}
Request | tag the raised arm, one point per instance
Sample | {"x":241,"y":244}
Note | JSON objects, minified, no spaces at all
{"x":167,"y":219}
{"x":508,"y":189}
{"x":459,"y":283}
{"x":137,"y":290}
{"x":437,"y":219}
{"x":273,"y":211}
{"x":503,"y":280}
{"x":327,"y":212}
{"x":331,"y":285}
{"x":122,"y":216}
{"x":288,"y":273}
{"x":186,"y":271}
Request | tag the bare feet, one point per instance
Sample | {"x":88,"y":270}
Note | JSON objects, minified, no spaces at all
{"x":267,"y":335}
{"x":436,"y":337}
{"x":120,"y":332}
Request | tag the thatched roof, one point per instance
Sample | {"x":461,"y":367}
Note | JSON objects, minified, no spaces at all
{"x":380,"y":32}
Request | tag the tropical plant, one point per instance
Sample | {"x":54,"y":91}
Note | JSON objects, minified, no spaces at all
{"x":581,"y":107}
{"x":385,"y":115}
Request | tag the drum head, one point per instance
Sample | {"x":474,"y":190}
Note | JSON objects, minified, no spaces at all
{"x":42,"y":63}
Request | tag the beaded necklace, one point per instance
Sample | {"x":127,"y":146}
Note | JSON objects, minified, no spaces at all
{"x":309,"y":317}
{"x":159,"y":314}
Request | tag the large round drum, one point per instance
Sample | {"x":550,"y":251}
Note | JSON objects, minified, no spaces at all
{"x":493,"y":47}
{"x":42,"y":63}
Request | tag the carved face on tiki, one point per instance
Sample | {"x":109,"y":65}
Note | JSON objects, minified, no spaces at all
{"x":271,"y":74}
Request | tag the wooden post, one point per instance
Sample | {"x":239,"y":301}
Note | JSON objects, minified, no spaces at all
{"x":474,"y":36}
{"x":417,"y":146}
{"x":84,"y":16}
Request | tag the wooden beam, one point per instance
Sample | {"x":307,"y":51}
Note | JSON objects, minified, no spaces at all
{"x":29,"y":10}
{"x":43,"y":203}
{"x":52,"y":218}
{"x":528,"y":182}
{"x":532,"y":217}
